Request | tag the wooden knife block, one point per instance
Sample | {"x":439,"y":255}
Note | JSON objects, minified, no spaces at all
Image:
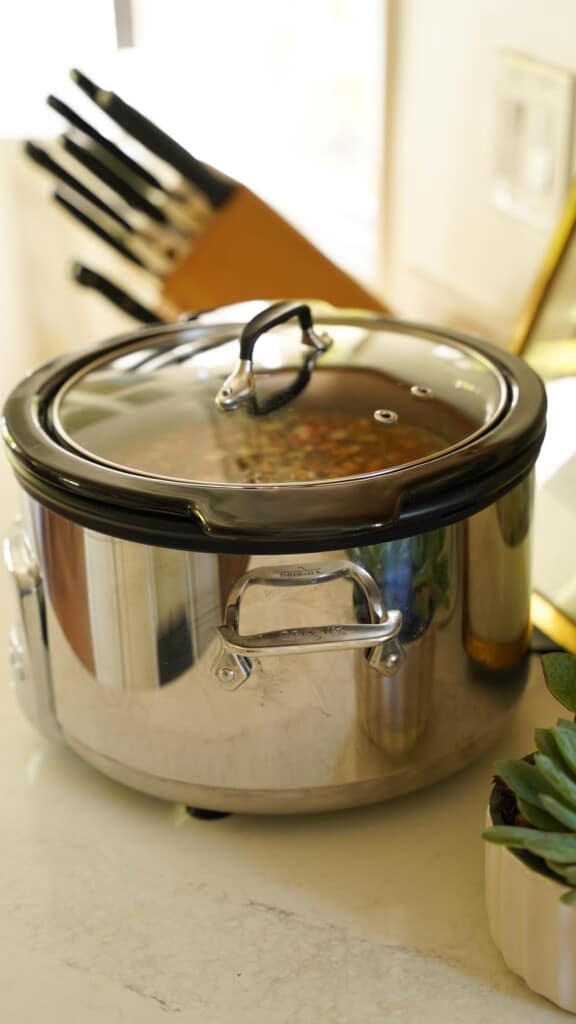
{"x":248,"y":251}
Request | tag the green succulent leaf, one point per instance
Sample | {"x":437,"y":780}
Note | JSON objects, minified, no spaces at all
{"x":545,"y":742}
{"x":565,"y":741}
{"x":545,"y":789}
{"x":557,"y":777}
{"x":566,"y":726}
{"x":524,"y":780}
{"x":560,"y":675}
{"x":537,"y":817}
{"x":507,"y":835}
{"x":567,"y":871}
{"x":558,"y":811}
{"x":557,"y":846}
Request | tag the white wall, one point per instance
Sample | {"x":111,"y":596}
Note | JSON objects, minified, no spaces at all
{"x":308,"y":142}
{"x":448,"y":253}
{"x":44,"y":313}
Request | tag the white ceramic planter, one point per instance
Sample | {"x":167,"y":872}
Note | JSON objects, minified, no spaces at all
{"x":533,"y":930}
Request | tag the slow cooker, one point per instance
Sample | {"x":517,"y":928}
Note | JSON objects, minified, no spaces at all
{"x":274,"y":558}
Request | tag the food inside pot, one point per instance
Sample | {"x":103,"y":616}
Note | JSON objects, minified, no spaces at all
{"x":283,"y":449}
{"x":347,"y":422}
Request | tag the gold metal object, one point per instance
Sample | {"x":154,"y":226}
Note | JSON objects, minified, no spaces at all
{"x":545,"y":335}
{"x":540,"y":293}
{"x":551,"y":621}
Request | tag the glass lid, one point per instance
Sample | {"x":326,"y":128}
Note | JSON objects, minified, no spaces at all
{"x":339,"y":398}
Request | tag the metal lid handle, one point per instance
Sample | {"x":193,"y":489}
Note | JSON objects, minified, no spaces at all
{"x":239,"y":387}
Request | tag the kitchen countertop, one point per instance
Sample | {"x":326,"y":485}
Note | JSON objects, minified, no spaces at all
{"x":119,"y":908}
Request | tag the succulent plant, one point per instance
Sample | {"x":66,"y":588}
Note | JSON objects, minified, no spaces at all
{"x":544,"y":787}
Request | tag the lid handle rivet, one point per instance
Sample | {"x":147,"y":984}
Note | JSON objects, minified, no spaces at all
{"x":386,"y":416}
{"x":419,"y":391}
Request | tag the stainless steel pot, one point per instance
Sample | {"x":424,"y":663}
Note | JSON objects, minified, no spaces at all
{"x":273,"y":645}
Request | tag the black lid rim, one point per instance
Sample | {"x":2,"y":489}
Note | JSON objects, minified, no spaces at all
{"x":393,"y":504}
{"x":173,"y":532}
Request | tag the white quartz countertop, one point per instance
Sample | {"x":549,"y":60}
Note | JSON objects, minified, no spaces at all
{"x":118,"y":908}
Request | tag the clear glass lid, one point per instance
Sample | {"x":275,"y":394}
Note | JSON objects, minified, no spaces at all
{"x":375,"y":397}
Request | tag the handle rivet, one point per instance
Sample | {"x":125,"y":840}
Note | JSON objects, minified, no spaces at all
{"x":419,"y":391}
{"x":392,"y":661}
{"x":386,"y":416}
{"x":226,"y":675}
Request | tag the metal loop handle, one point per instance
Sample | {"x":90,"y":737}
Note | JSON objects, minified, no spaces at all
{"x":274,"y":316}
{"x":233,"y":663}
{"x":239,"y":386}
{"x":29,"y":654}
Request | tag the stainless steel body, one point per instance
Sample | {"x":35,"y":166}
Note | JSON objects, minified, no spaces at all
{"x":124,"y":659}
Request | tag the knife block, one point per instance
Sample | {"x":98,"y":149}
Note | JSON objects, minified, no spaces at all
{"x":248,"y":251}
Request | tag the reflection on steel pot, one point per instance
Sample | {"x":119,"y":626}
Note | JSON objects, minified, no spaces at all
{"x":498,"y":553}
{"x":414,"y":575}
{"x":261,"y":563}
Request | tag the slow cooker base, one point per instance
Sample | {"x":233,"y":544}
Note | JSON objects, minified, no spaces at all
{"x":294,"y":801}
{"x":117,"y":649}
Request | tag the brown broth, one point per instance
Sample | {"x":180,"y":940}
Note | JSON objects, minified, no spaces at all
{"x":261,"y":450}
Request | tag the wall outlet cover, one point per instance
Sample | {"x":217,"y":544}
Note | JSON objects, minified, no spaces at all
{"x":533,"y":143}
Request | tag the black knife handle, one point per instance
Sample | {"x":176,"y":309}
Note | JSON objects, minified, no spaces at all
{"x":89,"y":278}
{"x":113,"y":180}
{"x":97,"y":229}
{"x":44,"y":160}
{"x":111,"y":148}
{"x":217,"y":189}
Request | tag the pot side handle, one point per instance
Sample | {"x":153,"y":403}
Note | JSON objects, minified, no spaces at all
{"x":29,"y":653}
{"x":233,"y":665}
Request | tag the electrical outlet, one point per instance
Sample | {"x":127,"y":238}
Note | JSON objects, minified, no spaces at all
{"x":533,"y":138}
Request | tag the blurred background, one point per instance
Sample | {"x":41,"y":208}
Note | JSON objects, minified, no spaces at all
{"x":427,"y":148}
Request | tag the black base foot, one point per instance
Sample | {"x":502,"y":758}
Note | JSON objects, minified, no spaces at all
{"x":206,"y":815}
